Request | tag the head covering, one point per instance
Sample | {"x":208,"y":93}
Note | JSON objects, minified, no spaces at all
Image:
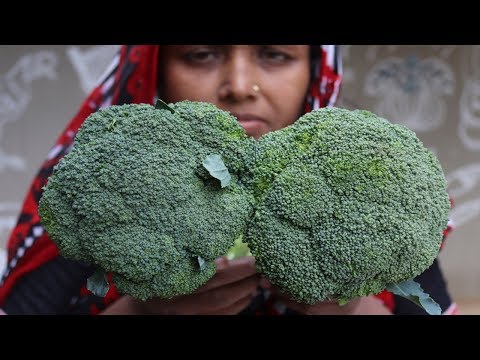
{"x":131,"y":78}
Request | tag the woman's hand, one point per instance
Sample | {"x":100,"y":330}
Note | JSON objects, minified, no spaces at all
{"x":228,"y":292}
{"x":369,"y":305}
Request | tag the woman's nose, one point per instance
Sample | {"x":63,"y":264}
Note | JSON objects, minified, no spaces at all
{"x":239,"y":81}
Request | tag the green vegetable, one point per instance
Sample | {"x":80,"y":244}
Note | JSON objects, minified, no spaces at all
{"x":347,"y":203}
{"x":135,"y":199}
{"x":338,"y":205}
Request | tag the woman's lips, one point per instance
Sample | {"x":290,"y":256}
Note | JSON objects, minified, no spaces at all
{"x":251,"y":123}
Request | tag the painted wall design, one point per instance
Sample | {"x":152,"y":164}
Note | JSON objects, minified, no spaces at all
{"x":16,"y":95}
{"x":410,"y":90}
{"x":469,"y":107}
{"x":89,"y":64}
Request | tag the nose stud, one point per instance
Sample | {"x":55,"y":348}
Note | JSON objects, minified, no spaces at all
{"x":256,"y":88}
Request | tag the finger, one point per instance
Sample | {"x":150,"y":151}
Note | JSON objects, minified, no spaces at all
{"x":350,"y":306}
{"x":233,"y":271}
{"x":265,"y":283}
{"x":236,"y":307}
{"x":208,"y":301}
{"x":224,"y":296}
{"x":238,"y":271}
{"x":221,"y":263}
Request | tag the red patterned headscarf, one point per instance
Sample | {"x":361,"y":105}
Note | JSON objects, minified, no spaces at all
{"x":131,"y":78}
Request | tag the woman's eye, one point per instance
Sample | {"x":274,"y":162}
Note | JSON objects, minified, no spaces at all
{"x":275,"y":56}
{"x":201,"y":56}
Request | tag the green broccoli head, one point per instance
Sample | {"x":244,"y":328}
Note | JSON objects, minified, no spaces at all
{"x":133,"y":198}
{"x":348,"y":203}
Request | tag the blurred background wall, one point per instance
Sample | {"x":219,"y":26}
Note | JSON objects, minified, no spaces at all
{"x":434,"y":90}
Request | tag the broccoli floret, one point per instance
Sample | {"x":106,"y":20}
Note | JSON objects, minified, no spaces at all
{"x":347,"y":203}
{"x":133,"y":197}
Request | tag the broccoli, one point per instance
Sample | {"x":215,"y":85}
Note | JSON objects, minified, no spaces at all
{"x":137,"y":195}
{"x":347,"y":204}
{"x":338,"y":205}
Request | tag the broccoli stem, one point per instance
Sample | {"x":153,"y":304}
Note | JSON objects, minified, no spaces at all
{"x":238,"y":249}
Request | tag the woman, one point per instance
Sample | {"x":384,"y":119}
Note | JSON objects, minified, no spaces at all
{"x":267,"y":87}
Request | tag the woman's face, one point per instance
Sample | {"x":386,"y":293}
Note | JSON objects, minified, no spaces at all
{"x":263,"y":86}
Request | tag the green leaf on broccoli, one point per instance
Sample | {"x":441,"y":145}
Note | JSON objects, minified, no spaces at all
{"x":412,"y":291}
{"x":98,"y":283}
{"x":162,"y":105}
{"x":216,"y":168}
